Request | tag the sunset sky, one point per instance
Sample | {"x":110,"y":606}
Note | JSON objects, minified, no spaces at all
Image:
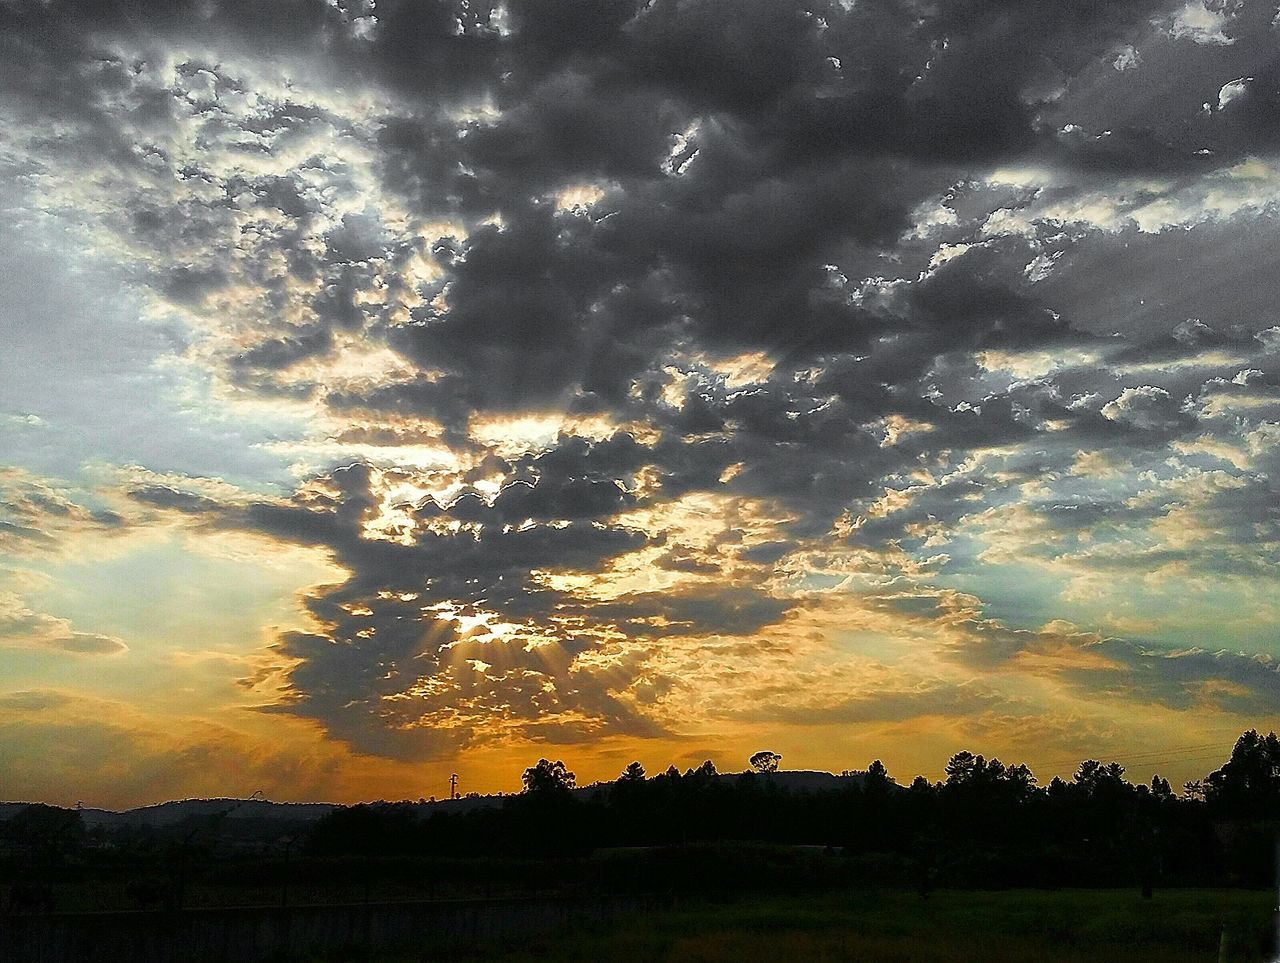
{"x":395,"y":390}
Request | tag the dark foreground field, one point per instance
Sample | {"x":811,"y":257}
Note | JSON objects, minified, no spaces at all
{"x":1073,"y":925}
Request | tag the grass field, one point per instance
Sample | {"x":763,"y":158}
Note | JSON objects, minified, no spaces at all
{"x":1022,"y":925}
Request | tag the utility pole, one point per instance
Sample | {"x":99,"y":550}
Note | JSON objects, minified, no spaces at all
{"x":453,"y":786}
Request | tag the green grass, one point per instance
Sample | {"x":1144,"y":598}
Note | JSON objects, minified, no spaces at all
{"x":1076,"y":925}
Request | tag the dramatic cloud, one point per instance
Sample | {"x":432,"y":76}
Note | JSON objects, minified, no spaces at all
{"x":639,"y":370}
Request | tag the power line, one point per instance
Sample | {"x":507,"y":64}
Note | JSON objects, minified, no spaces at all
{"x":1146,"y":757}
{"x":1144,"y":761}
{"x":1171,"y":750}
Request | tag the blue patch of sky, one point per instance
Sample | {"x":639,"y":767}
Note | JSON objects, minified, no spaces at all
{"x":88,"y":378}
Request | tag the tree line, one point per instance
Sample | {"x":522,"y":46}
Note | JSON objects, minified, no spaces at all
{"x":984,"y":824}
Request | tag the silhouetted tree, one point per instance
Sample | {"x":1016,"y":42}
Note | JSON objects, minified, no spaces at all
{"x":986,"y":824}
{"x":1021,"y":780}
{"x":974,"y":773}
{"x":877,"y":778}
{"x":1248,"y":784}
{"x":363,"y":830}
{"x":548,"y":777}
{"x":633,"y":773}
{"x":702,"y":776}
{"x":963,"y":768}
{"x":765,"y":761}
{"x":1101,"y":780}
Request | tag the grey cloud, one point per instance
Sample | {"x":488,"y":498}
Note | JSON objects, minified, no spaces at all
{"x":363,"y":678}
{"x":279,"y":353}
{"x":1147,"y":408}
{"x":86,"y":643}
{"x":22,"y":628}
{"x":760,"y":169}
{"x":1229,"y":681}
{"x":38,"y":515}
{"x":1116,"y":668}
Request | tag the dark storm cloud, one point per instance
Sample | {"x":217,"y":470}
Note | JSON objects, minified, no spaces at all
{"x":529,"y":313}
{"x":859,"y":116}
{"x":732,"y":610}
{"x":61,"y":58}
{"x":1222,"y":274}
{"x":283,"y":352}
{"x":722,"y":237}
{"x":164,"y":497}
{"x":594,"y":208}
{"x":1168,"y":113}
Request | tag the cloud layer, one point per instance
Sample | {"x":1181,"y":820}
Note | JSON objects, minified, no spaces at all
{"x":648,"y":366}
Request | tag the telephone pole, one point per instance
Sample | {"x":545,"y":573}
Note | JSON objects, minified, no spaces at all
{"x":453,"y":786}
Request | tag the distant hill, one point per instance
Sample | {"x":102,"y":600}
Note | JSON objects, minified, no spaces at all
{"x":176,"y":811}
{"x":808,"y":780}
{"x":168,"y":813}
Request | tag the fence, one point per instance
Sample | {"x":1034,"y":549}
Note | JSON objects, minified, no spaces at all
{"x":272,"y":933}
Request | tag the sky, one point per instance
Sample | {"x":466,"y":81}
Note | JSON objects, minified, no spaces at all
{"x":394,"y":390}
